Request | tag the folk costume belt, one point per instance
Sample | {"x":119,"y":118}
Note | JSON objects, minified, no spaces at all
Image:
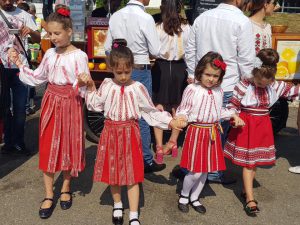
{"x":256,"y":112}
{"x":212,"y":126}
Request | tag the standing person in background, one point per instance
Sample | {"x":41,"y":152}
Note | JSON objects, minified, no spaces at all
{"x":228,"y":31}
{"x":14,"y":122}
{"x":137,"y":27}
{"x":47,"y":8}
{"x":168,"y":72}
{"x":40,"y":23}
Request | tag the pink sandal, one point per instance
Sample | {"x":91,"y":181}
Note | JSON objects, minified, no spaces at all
{"x":173,"y":150}
{"x":159,"y":154}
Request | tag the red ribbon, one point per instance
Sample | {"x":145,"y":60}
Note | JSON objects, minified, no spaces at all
{"x":63,"y":12}
{"x":115,"y":45}
{"x":220,"y":64}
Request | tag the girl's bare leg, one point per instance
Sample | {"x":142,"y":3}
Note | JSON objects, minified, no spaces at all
{"x":66,"y":186}
{"x":133,"y":197}
{"x":48,"y":182}
{"x":158,"y":133}
{"x":248,"y":185}
{"x":172,"y":141}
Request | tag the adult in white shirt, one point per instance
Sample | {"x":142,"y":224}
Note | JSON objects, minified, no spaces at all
{"x":228,"y":31}
{"x":137,"y":27}
{"x":14,"y":123}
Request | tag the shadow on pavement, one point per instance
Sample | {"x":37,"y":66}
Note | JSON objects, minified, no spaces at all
{"x":84,"y":182}
{"x":9,"y":163}
{"x":106,"y":197}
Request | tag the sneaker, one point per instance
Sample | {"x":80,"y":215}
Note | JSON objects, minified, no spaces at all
{"x":6,"y":149}
{"x":154,"y":167}
{"x":295,"y":169}
{"x":20,"y":150}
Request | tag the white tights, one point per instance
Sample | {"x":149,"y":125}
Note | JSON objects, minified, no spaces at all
{"x":192,"y":186}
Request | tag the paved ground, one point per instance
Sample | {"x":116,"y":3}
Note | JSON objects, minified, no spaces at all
{"x":277,"y":190}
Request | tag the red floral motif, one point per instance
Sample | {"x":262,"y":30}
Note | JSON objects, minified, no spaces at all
{"x":63,"y":12}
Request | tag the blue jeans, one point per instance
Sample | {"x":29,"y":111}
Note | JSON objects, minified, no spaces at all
{"x":15,"y":116}
{"x":144,"y":76}
{"x":225,"y":125}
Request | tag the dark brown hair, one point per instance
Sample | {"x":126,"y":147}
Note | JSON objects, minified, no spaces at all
{"x":209,"y":58}
{"x":171,"y":18}
{"x":269,"y":58}
{"x":66,"y":21}
{"x":255,"y":6}
{"x":120,"y":51}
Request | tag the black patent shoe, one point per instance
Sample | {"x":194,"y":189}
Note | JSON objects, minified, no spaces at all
{"x":47,"y":212}
{"x":154,"y":167}
{"x":118,"y":220}
{"x":66,"y":204}
{"x":198,"y":208}
{"x":251,"y":210}
{"x":183,"y":207}
{"x":133,"y":220}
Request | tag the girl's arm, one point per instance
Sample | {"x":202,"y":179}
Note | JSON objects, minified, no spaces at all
{"x":287,"y":90}
{"x":238,"y":94}
{"x":95,"y":99}
{"x":27,"y":75}
{"x":81,"y":67}
{"x":152,"y":115}
{"x":186,"y":104}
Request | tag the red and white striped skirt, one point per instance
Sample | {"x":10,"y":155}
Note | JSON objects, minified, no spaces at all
{"x":120,"y":157}
{"x":61,"y":141}
{"x":253,"y":144}
{"x":202,"y":149}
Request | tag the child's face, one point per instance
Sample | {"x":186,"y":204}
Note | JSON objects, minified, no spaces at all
{"x":122,"y":73}
{"x":59,"y":36}
{"x":262,"y":82}
{"x":210,"y":77}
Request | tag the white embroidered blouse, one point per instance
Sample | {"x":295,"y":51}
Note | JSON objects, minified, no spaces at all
{"x":59,"y":69}
{"x":121,"y":103}
{"x":202,"y":105}
{"x":262,"y":36}
{"x":247,"y":95}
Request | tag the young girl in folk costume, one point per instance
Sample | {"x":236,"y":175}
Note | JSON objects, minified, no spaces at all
{"x":253,"y":144}
{"x":201,"y":106}
{"x":168,"y":72}
{"x":61,"y":132}
{"x":124,"y":101}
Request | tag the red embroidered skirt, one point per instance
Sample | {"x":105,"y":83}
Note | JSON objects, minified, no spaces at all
{"x":253,"y":144}
{"x":120,"y":157}
{"x":61,"y":142}
{"x":202,"y":149}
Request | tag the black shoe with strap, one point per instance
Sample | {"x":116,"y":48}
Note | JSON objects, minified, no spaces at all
{"x":66,"y":204}
{"x":47,"y":212}
{"x":251,"y":210}
{"x":199,"y":208}
{"x":134,"y":220}
{"x":117,"y":220}
{"x":183,"y":207}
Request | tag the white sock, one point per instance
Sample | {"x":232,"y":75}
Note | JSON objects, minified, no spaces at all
{"x":197,"y":188}
{"x":118,"y":213}
{"x":188,"y":183}
{"x":134,"y":215}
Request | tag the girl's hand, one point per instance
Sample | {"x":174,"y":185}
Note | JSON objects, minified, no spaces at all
{"x":190,"y":80}
{"x":179,"y":122}
{"x":14,"y":56}
{"x":86,"y":80}
{"x":238,"y":122}
{"x":160,"y":107}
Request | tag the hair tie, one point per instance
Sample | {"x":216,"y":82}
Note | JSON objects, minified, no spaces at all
{"x":63,"y":12}
{"x":115,"y":45}
{"x":258,"y":63}
{"x":220,"y":64}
